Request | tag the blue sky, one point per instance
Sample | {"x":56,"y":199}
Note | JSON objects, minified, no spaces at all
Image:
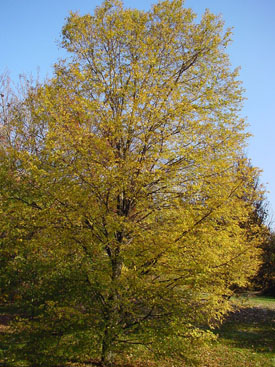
{"x":30,"y":29}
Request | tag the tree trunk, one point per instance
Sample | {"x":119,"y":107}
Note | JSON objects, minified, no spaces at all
{"x":106,"y":353}
{"x":112,"y":311}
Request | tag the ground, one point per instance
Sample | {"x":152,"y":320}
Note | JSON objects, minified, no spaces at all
{"x":246,"y":338}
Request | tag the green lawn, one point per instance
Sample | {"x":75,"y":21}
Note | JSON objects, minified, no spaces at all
{"x":246,"y":338}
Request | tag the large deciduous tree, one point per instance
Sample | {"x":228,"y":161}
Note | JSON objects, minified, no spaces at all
{"x":122,"y":186}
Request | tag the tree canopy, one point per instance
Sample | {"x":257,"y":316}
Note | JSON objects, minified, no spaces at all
{"x":124,"y":188}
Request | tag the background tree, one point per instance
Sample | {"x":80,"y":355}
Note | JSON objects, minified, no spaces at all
{"x":264,"y":281}
{"x":122,"y":187}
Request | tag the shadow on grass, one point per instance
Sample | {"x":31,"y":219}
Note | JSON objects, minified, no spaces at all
{"x":251,"y":328}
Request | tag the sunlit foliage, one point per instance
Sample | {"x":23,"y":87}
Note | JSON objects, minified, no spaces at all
{"x":122,"y":187}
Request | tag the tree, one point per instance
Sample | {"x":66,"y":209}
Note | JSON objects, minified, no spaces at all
{"x":122,"y":185}
{"x":264,"y":280}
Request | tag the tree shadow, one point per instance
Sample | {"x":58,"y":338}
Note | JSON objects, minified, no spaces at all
{"x":251,"y":328}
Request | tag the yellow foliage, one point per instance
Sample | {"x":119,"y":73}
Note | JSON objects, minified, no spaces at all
{"x":131,"y":160}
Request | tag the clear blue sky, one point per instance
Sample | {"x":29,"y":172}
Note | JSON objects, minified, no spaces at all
{"x":30,"y":29}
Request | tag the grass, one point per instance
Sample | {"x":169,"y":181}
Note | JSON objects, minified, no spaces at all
{"x":246,"y":338}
